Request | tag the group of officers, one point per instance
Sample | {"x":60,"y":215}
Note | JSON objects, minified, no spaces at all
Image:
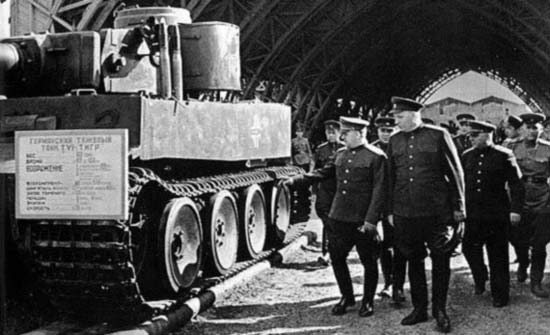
{"x":432,"y":191}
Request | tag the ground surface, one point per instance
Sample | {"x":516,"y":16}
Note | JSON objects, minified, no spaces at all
{"x":296,"y":298}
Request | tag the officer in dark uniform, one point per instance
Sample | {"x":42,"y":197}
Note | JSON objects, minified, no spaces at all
{"x":392,"y":261}
{"x":512,"y":128}
{"x":487,"y":169}
{"x":533,"y":156}
{"x":462,"y":142}
{"x":426,"y":205}
{"x":324,"y":154}
{"x":360,"y":171}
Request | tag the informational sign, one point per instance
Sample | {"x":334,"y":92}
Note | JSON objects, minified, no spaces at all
{"x":72,"y":174}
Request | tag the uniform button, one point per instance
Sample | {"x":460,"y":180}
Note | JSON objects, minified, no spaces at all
{"x":478,"y":172}
{"x":412,"y":179}
{"x":349,"y":160}
{"x":411,"y":156}
{"x":344,"y":192}
{"x":480,"y":163}
{"x":410,"y":146}
{"x":479,"y":190}
{"x":353,"y":152}
{"x":412,"y":137}
{"x":411,"y":168}
{"x":345,"y":181}
{"x":481,"y":155}
{"x":347,"y":171}
{"x":478,"y":181}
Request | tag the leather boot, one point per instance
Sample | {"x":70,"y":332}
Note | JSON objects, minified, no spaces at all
{"x":479,"y":288}
{"x":398,"y":296}
{"x":522,"y":273}
{"x":366,"y":309}
{"x":340,"y":307}
{"x":538,"y":291}
{"x":416,"y":316}
{"x":442,"y":320}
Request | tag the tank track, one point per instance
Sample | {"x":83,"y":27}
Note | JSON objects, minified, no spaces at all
{"x":89,"y":264}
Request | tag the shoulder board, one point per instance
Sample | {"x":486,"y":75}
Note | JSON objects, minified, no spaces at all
{"x":503,"y":149}
{"x":375,"y":142}
{"x":375,"y":149}
{"x":341,"y":149}
{"x":324,"y":144}
{"x":543,"y":142}
{"x":434,"y":127}
{"x":467,"y":151}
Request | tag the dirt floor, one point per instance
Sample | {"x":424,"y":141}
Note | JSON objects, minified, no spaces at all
{"x":296,"y":298}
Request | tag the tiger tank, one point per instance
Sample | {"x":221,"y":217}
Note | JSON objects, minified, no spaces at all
{"x":133,"y":168}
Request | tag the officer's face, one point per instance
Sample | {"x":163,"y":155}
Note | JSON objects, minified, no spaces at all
{"x":332,"y":135}
{"x":351,"y":138}
{"x":384,"y":134}
{"x":464,"y":127}
{"x":299,"y":133}
{"x":406,"y":120}
{"x":532,"y":131}
{"x":510,"y":131}
{"x":479,"y":140}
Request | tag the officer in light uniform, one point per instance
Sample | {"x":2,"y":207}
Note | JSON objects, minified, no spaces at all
{"x":361,"y":185}
{"x":324,"y":154}
{"x":512,"y":128}
{"x":393,"y":263}
{"x":487,"y":169}
{"x":301,"y":150}
{"x":462,"y":142}
{"x":426,"y":205}
{"x":533,"y":156}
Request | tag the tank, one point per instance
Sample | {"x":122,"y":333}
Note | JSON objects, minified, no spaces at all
{"x":134,"y":171}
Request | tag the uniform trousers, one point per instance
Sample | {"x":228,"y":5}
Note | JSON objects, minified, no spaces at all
{"x":342,"y":237}
{"x":493,"y":234}
{"x":412,"y":236}
{"x":541,"y":237}
{"x":521,"y":235}
{"x":392,"y":261}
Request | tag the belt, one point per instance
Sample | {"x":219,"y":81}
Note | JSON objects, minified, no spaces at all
{"x":534,"y":180}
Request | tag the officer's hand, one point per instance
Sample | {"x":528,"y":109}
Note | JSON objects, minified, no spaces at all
{"x":459,"y":216}
{"x":390,"y":219}
{"x":515,"y":218}
{"x":368,"y":228}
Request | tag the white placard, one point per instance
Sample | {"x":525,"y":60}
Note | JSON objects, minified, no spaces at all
{"x":72,"y":174}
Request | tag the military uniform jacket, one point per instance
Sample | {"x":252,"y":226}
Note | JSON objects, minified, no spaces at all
{"x":487,"y":170}
{"x":426,"y":177}
{"x":324,"y":154}
{"x":534,"y":163}
{"x":462,"y":143}
{"x":509,"y":142}
{"x":361,"y":183}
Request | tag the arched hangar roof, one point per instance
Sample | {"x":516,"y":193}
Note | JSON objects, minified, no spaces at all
{"x":309,"y":52}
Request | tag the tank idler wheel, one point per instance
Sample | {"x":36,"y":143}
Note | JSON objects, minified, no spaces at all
{"x":180,"y":242}
{"x":280,"y":214}
{"x":253,"y":227}
{"x":221,"y":233}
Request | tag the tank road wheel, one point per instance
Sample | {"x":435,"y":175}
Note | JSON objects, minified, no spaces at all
{"x":280,"y":213}
{"x":253,"y":229}
{"x":222,"y":233}
{"x":180,"y":240}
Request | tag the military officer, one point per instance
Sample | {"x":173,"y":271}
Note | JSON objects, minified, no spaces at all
{"x":360,"y":171}
{"x":325,"y":153}
{"x":426,"y":205}
{"x":487,"y":169}
{"x":512,"y":130}
{"x":301,"y":150}
{"x":392,"y":261}
{"x":533,"y":155}
{"x":462,"y":142}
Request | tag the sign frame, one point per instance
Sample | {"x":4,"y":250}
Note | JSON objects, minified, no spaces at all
{"x":123,"y":213}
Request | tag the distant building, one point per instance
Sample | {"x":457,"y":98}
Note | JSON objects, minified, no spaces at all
{"x":492,"y":109}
